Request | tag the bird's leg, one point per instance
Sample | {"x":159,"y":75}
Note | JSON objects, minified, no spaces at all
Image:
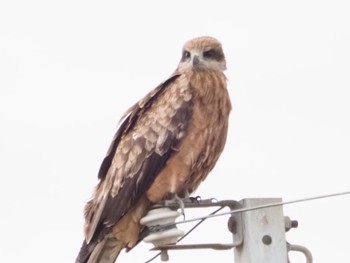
{"x":187,"y":199}
{"x":181,"y":204}
{"x":178,"y":201}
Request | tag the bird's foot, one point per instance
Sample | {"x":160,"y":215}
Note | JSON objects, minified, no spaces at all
{"x":194,"y":199}
{"x":182,"y":202}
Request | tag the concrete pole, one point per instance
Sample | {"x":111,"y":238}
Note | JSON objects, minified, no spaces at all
{"x":263,"y":233}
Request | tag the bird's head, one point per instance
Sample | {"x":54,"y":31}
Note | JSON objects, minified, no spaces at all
{"x":202,"y":53}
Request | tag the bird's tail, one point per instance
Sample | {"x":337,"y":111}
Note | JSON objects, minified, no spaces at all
{"x":105,"y":251}
{"x":124,"y":234}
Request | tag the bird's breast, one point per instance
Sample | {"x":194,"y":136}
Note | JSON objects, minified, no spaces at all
{"x":203,"y":141}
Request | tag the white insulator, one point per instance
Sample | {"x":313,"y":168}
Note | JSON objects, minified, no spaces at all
{"x":166,"y":237}
{"x":162,"y":216}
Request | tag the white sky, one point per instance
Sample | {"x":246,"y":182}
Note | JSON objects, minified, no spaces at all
{"x":69,"y":70}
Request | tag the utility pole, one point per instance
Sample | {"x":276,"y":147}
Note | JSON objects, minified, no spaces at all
{"x":263,"y":232}
{"x":258,"y":227}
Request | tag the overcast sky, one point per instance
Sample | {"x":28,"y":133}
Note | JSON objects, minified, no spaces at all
{"x":69,"y":70}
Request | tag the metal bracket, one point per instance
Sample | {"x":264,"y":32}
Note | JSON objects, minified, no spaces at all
{"x":235,"y":225}
{"x":302,"y":249}
{"x":164,"y":248}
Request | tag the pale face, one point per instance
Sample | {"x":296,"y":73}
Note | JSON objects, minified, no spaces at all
{"x":202,"y":54}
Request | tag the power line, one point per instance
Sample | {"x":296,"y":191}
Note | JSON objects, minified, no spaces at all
{"x":236,"y":211}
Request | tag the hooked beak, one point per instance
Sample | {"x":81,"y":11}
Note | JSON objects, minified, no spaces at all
{"x":195,"y":60}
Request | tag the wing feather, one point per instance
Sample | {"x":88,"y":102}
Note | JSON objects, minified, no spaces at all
{"x":146,"y":139}
{"x":129,"y":118}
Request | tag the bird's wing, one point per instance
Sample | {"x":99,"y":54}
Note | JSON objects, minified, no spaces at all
{"x":145,"y":140}
{"x":128,"y":120}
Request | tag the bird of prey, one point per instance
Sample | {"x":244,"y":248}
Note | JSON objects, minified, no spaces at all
{"x":165,"y":146}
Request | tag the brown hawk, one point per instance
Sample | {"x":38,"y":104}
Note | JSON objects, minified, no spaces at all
{"x":166,"y":145}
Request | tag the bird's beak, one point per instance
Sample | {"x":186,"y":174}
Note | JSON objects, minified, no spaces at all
{"x":195,"y":60}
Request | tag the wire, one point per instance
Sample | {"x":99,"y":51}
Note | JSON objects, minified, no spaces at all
{"x":236,"y":211}
{"x":188,"y":232}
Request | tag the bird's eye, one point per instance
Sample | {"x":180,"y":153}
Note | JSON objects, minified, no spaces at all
{"x":209,"y":54}
{"x":186,"y":55}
